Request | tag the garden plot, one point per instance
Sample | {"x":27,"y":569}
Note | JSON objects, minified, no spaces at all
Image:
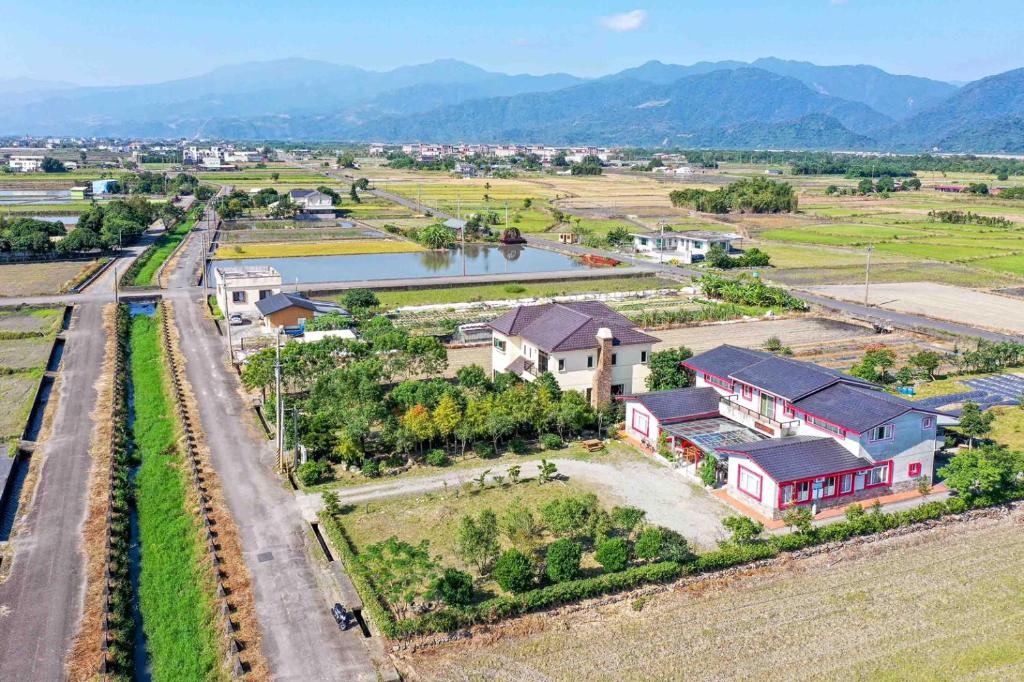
{"x":939,"y":301}
{"x":35,"y":279}
{"x":953,"y":593}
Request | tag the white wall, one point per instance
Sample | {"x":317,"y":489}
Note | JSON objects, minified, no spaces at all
{"x":769,"y":490}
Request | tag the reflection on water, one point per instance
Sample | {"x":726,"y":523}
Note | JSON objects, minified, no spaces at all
{"x":14,"y":197}
{"x":476,"y":259}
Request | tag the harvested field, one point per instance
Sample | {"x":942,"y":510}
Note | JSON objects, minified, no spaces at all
{"x":37,"y":279}
{"x":953,"y":593}
{"x":347,"y":247}
{"x":920,"y":271}
{"x":940,"y":301}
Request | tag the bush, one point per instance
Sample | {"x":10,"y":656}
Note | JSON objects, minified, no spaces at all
{"x":551,"y":441}
{"x":514,"y":289}
{"x":454,"y":587}
{"x":613,"y":554}
{"x":313,"y":472}
{"x":674,"y":547}
{"x":648,"y":544}
{"x":436,"y":458}
{"x":627,"y":519}
{"x":485,"y":450}
{"x":514,"y":571}
{"x":371,"y":468}
{"x":518,"y":446}
{"x":743,"y":529}
{"x":563,"y":560}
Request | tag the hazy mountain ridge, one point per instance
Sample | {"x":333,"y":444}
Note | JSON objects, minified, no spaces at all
{"x":768,"y":103}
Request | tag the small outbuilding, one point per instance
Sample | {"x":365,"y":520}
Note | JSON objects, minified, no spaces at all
{"x":291,"y":310}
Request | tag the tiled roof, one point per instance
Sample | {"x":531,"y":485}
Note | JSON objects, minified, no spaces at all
{"x":518,"y":366}
{"x":568,"y":326}
{"x":856,"y":408}
{"x":725,"y":359}
{"x":681,"y":403}
{"x":788,"y":459}
{"x":283,"y":301}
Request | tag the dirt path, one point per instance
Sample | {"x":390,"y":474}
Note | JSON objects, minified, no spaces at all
{"x":668,"y":499}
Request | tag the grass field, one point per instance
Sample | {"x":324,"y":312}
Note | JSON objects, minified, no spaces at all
{"x":164,"y":245}
{"x":174,"y":586}
{"x":493,"y":292}
{"x":349,"y":247}
{"x":953,"y":594}
{"x":22,"y":361}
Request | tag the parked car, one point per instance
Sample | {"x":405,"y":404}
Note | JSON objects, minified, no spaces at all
{"x":235,"y":319}
{"x":341,"y":616}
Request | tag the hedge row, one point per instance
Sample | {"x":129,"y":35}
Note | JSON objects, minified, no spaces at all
{"x":727,"y":556}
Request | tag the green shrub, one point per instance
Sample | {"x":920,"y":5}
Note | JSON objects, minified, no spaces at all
{"x":312,"y":472}
{"x":485,"y":450}
{"x":514,"y":289}
{"x":648,"y":544}
{"x":613,"y":554}
{"x":514,"y":571}
{"x":454,"y":587}
{"x":674,"y":547}
{"x":551,"y":441}
{"x":563,"y":560}
{"x":626,"y":519}
{"x":743,"y":528}
{"x":371,"y":468}
{"x":518,"y":446}
{"x":436,"y":458}
{"x":708,"y":470}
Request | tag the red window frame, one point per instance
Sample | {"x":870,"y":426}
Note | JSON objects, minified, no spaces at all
{"x":837,"y":491}
{"x":646,"y":431}
{"x":914,"y":469}
{"x":927,"y":422}
{"x":787,"y":410}
{"x":748,"y":392}
{"x":739,"y":482}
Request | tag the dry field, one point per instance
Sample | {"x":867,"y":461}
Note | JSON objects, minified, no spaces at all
{"x":35,"y":279}
{"x":940,"y":604}
{"x":941,"y":301}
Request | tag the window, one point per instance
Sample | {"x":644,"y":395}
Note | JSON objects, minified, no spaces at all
{"x":749,"y":483}
{"x":698,"y":245}
{"x":641,"y":424}
{"x":590,"y":361}
{"x":561,"y":364}
{"x":767,"y":405}
{"x":830,"y":486}
{"x":238,"y":297}
{"x":787,"y":494}
{"x":927,"y":422}
{"x":615,"y":358}
{"x":914,"y":470}
{"x":748,"y":392}
{"x":883,"y":432}
{"x":803,"y":491}
{"x":879,"y":475}
{"x":825,"y":426}
{"x":618,"y":389}
{"x":712,"y":379}
{"x":499,"y":344}
{"x":643,"y":356}
{"x":787,"y":410}
{"x":265,"y":293}
{"x":847,"y":483}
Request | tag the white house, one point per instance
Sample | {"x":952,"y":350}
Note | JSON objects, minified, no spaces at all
{"x":587,"y":346}
{"x":687,"y":247}
{"x":311,"y":201}
{"x":25,"y":163}
{"x":789,"y":433}
{"x":239,"y":288}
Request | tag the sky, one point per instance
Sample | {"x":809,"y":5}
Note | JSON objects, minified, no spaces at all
{"x":117,"y":42}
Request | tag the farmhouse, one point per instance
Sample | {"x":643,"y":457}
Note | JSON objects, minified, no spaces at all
{"x":690,"y":246}
{"x":311,"y":201}
{"x":291,"y":310}
{"x":25,"y":163}
{"x":787,"y":432}
{"x":239,"y":288}
{"x":587,"y":346}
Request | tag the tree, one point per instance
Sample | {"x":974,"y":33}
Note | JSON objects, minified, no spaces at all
{"x":447,"y":416}
{"x":573,"y":516}
{"x":426,"y":355}
{"x":473,"y":378}
{"x":574,"y":413}
{"x":875,"y":365}
{"x":520,"y":526}
{"x":52,"y":165}
{"x":648,"y":544}
{"x":865,"y":186}
{"x":478,"y":540}
{"x":454,"y":587}
{"x":417,"y":421}
{"x":319,"y":436}
{"x":360,"y":299}
{"x":346,"y":160}
{"x":563,"y":560}
{"x":312,"y":472}
{"x":708,"y":471}
{"x":886,"y":184}
{"x":514,"y":571}
{"x":674,"y":547}
{"x":353,"y":194}
{"x":667,"y":371}
{"x":612,"y":554}
{"x":925,"y":362}
{"x":974,"y":423}
{"x":798,"y":518}
{"x":986,"y":474}
{"x":401,"y":571}
{"x":627,"y":519}
{"x":744,"y":530}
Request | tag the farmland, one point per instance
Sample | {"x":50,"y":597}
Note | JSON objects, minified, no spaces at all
{"x":953,"y":593}
{"x":25,"y":339}
{"x":33,"y":279}
{"x":349,"y":247}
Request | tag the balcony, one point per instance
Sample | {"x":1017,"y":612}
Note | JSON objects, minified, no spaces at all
{"x":732,"y":409}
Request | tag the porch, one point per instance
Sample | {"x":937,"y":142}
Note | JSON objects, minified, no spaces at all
{"x":691,"y":442}
{"x":757,"y":420}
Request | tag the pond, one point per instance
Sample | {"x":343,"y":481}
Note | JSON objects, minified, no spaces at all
{"x":15,"y":197}
{"x":68,"y":220}
{"x":479,"y":260}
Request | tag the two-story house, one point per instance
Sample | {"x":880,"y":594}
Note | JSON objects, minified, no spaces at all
{"x":587,"y":346}
{"x":311,"y":201}
{"x":690,"y":246}
{"x":790,"y":432}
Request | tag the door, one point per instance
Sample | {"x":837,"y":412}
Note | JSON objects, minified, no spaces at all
{"x":767,"y":405}
{"x":858,"y":483}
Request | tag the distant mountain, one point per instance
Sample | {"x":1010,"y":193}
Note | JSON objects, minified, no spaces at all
{"x":982,"y":116}
{"x":20,"y":85}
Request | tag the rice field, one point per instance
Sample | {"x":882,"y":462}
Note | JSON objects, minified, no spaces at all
{"x":347,"y":247}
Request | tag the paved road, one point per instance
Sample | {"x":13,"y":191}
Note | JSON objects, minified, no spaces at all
{"x":43,"y":596}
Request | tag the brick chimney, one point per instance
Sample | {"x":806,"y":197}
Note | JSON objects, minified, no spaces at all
{"x":601,"y":392}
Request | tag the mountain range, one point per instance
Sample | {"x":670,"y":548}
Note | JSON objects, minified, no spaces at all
{"x":767,"y":103}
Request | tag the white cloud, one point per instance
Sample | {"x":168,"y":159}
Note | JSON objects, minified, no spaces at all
{"x":625,"y":21}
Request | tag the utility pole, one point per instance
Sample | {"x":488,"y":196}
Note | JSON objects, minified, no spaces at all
{"x":227,"y":320}
{"x":116,"y":301}
{"x":279,"y":407}
{"x":867,"y":275}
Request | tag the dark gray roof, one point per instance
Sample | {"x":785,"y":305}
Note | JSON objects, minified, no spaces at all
{"x":282,"y":301}
{"x":568,"y":326}
{"x":785,"y":377}
{"x":788,"y":459}
{"x":857,"y":408}
{"x":680,"y":404}
{"x":297,"y":193}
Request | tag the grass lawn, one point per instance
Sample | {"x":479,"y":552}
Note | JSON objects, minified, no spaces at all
{"x":493,"y":292}
{"x":22,"y":361}
{"x":1008,"y":427}
{"x":174,"y":584}
{"x":162,"y":249}
{"x":17,"y":391}
{"x":348,"y":247}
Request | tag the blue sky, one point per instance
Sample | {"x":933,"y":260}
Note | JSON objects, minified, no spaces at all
{"x":117,"y":42}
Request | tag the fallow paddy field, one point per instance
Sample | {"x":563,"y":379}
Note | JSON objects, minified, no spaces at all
{"x":26,"y":335}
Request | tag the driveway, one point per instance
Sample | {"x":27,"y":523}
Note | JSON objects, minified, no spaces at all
{"x":669,"y":499}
